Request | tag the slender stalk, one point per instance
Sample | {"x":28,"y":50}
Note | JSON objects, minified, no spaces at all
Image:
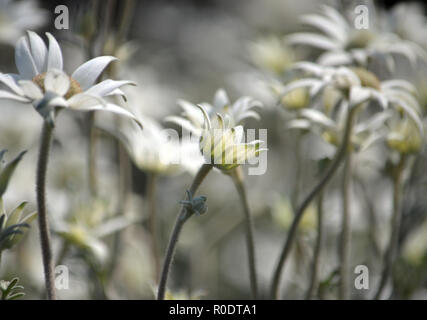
{"x":390,"y":254}
{"x":317,"y":249}
{"x":152,"y":222}
{"x":275,"y":284}
{"x":181,"y":219}
{"x":45,"y":142}
{"x":92,"y":174}
{"x":343,"y":290}
{"x":237,"y":176}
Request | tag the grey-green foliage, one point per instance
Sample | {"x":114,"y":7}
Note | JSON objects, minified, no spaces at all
{"x":7,"y":170}
{"x":13,"y":225}
{"x":10,"y":290}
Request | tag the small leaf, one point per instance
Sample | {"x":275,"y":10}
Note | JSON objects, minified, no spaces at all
{"x":7,"y":172}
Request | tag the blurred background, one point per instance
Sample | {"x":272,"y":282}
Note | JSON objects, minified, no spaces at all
{"x":187,"y":50}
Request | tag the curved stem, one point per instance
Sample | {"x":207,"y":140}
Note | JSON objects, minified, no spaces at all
{"x":237,"y":176}
{"x":343,"y":291}
{"x":314,"y":192}
{"x":181,"y":219}
{"x":317,"y":249}
{"x":395,"y":227}
{"x":45,"y":143}
{"x":152,"y":222}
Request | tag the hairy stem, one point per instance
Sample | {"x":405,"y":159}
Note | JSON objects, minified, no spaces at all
{"x":237,"y":176}
{"x":152,"y":221}
{"x":181,"y":219}
{"x":275,"y":284}
{"x":45,"y":142}
{"x":390,"y":254}
{"x":317,"y":249}
{"x":344,"y":243}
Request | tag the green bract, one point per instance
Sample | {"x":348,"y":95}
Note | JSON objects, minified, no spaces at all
{"x":13,"y":225}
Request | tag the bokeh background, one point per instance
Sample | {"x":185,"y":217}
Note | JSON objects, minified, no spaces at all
{"x":187,"y":50}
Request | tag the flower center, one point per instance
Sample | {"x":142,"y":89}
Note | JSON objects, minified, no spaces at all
{"x":73,"y":90}
{"x":367,"y":78}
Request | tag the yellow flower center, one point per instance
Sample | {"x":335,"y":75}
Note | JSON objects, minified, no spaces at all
{"x":367,"y":78}
{"x":73,"y":90}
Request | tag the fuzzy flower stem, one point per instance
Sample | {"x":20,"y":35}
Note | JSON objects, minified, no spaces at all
{"x":42,"y":163}
{"x":152,"y":221}
{"x":237,"y":176}
{"x":314,"y":192}
{"x":343,"y":291}
{"x":395,"y":226}
{"x":317,"y":249}
{"x":181,"y":219}
{"x":93,"y":185}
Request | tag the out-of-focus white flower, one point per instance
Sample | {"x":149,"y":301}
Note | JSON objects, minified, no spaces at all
{"x":222,"y":146}
{"x":18,"y":16}
{"x":87,"y":226}
{"x":357,"y":86}
{"x":404,"y":136}
{"x":271,"y":54}
{"x":192,"y":118}
{"x":343,"y":44}
{"x":159,"y":150}
{"x":42,"y":82}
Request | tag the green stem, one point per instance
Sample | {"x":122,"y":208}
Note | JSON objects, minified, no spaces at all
{"x":152,"y":222}
{"x":181,"y":219}
{"x":390,"y":254}
{"x":275,"y":284}
{"x":343,"y":292}
{"x":93,"y":184}
{"x":317,"y":249}
{"x":42,"y":163}
{"x":237,"y":176}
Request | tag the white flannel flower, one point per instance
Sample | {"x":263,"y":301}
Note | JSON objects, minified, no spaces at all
{"x":357,"y":86}
{"x":222,"y":145}
{"x":192,"y":118}
{"x":18,"y":16}
{"x":343,"y":44}
{"x":156,"y":149}
{"x":42,"y":82}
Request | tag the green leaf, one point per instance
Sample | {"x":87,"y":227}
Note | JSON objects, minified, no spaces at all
{"x":15,"y":216}
{"x":7,"y":172}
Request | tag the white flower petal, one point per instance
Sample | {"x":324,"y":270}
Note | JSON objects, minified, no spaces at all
{"x":314,"y":40}
{"x":107,"y":87}
{"x":89,"y":71}
{"x":38,"y":51}
{"x":57,"y":81}
{"x":317,"y":117}
{"x":54,"y":59}
{"x":23,"y":59}
{"x":31,"y":90}
{"x":9,"y":95}
{"x":325,"y":25}
{"x":10,"y":82}
{"x":221,"y":99}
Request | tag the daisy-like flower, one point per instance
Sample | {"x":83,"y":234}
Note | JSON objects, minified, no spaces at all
{"x":357,"y":86}
{"x":155,"y":150}
{"x":331,"y":128}
{"x":192,"y":118}
{"x":343,"y":44}
{"x":271,"y":54}
{"x":88,"y":225}
{"x":403,"y":136}
{"x":18,"y":16}
{"x":222,"y":145}
{"x":42,"y":82}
